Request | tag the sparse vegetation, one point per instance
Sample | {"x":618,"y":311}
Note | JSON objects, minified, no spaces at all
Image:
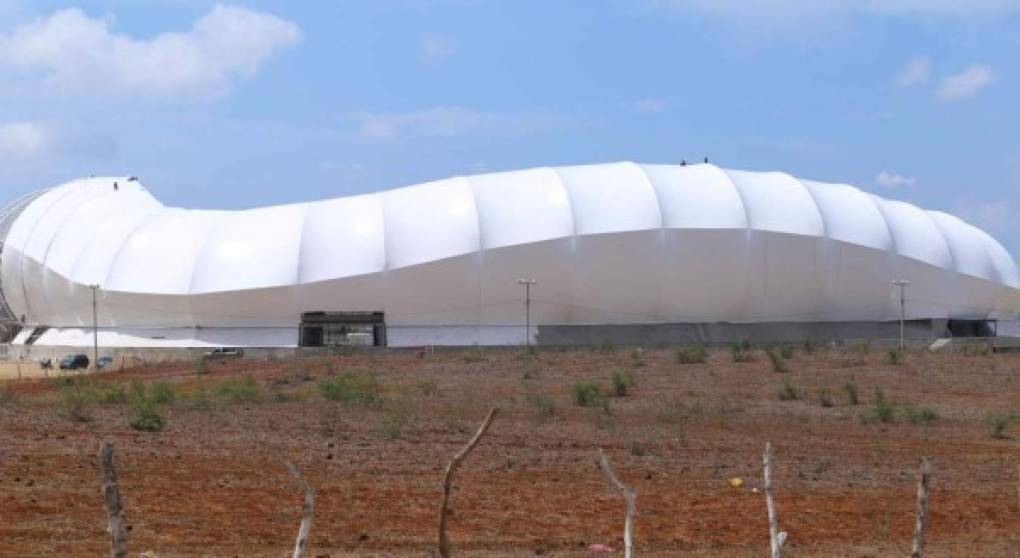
{"x":788,"y":391}
{"x":976,"y":349}
{"x":897,"y":357}
{"x":201,"y":366}
{"x":353,"y":386}
{"x":145,"y":415}
{"x":7,"y":397}
{"x":1000,"y":423}
{"x":919,"y":415}
{"x":824,"y":397}
{"x":162,"y":392}
{"x":607,"y":347}
{"x":691,"y":354}
{"x":850,"y":388}
{"x":778,"y":364}
{"x":543,"y":404}
{"x":473,"y":355}
{"x":428,"y":387}
{"x":786,"y":351}
{"x":882,"y":410}
{"x":398,"y":414}
{"x":589,"y":394}
{"x":742,"y":352}
{"x":622,"y":382}
{"x":242,"y":389}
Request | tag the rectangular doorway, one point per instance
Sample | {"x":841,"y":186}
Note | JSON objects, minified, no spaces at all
{"x":343,"y":329}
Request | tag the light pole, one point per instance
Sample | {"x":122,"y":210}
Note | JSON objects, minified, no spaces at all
{"x":95,"y":327}
{"x":902,"y":284}
{"x":527,"y":307}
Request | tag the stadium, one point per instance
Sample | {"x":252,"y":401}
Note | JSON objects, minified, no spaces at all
{"x":617,"y":252}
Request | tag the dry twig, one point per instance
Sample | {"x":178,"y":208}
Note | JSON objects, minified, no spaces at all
{"x":111,"y":496}
{"x":444,"y":508}
{"x":629,"y":496}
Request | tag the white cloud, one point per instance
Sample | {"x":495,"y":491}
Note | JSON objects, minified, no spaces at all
{"x":75,"y":52}
{"x":22,"y":139}
{"x":965,"y":84}
{"x":437,"y":48}
{"x":888,"y":179}
{"x":650,"y":106}
{"x":450,"y":122}
{"x":915,"y":72}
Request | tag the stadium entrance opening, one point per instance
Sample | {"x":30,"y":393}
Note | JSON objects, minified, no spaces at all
{"x":342,"y":329}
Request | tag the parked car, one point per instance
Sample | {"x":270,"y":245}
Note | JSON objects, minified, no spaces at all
{"x":74,"y":362}
{"x":104,"y":362}
{"x":224,"y":353}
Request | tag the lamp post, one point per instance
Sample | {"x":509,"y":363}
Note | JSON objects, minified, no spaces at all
{"x":527,"y":282}
{"x":95,"y":327}
{"x":902,"y":284}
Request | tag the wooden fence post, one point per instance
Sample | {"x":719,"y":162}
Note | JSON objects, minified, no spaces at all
{"x":776,"y":537}
{"x":443,"y":544}
{"x":111,"y":495}
{"x":630,"y":497}
{"x":921,"y":526}
{"x":307,"y":512}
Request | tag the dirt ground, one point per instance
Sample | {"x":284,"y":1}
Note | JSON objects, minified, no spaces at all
{"x":213,"y":481}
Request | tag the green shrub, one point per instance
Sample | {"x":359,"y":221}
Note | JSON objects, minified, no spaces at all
{"x":824,"y":398}
{"x":397,"y":417}
{"x":881,"y":409}
{"x":543,"y":404}
{"x":162,"y":392}
{"x":919,"y":415}
{"x":63,"y":382}
{"x":146,"y":415}
{"x":112,"y":394}
{"x":353,"y":386}
{"x":778,"y":364}
{"x":622,"y":382}
{"x":897,"y":357}
{"x":238,"y":390}
{"x":809,"y":346}
{"x":75,"y":404}
{"x":474,"y":354}
{"x":742,"y":352}
{"x":691,"y":354}
{"x":589,"y":394}
{"x":8,"y":397}
{"x":850,"y":388}
{"x":786,"y":351}
{"x":788,"y":391}
{"x":607,"y":347}
{"x":1000,"y":422}
{"x":201,"y":366}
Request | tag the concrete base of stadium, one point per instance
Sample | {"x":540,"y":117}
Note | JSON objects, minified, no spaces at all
{"x":721,"y":333}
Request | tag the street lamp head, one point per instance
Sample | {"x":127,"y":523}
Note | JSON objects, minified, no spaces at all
{"x":901,"y":283}
{"x":528,"y":281}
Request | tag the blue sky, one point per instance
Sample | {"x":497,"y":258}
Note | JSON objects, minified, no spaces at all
{"x":251,"y":103}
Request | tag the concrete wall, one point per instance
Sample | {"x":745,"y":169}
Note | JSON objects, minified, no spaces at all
{"x":718,"y":333}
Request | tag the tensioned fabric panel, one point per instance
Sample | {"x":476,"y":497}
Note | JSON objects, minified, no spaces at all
{"x":241,"y":253}
{"x":696,"y":197}
{"x":159,"y":257}
{"x":521,"y":207}
{"x":343,"y":238}
{"x":429,"y":222}
{"x":615,"y":243}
